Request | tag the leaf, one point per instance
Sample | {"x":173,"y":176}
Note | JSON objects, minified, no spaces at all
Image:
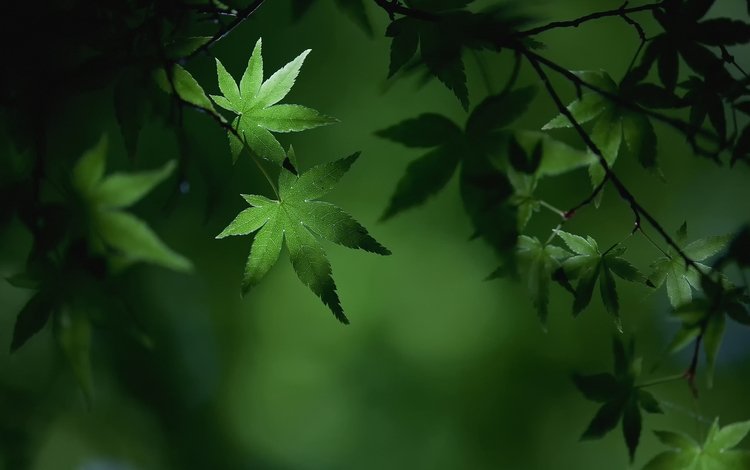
{"x":73,"y":332}
{"x":255,"y":103}
{"x":181,"y":82}
{"x":608,"y":291}
{"x":631,"y":426}
{"x":605,"y":420}
{"x":404,"y":43}
{"x":537,"y":262}
{"x":295,"y":218}
{"x":715,"y":454}
{"x":712,"y":338}
{"x":136,"y":242}
{"x":88,"y":171}
{"x":497,"y":111}
{"x":673,"y":271}
{"x":597,"y":387}
{"x":585,"y":109}
{"x":31,"y":319}
{"x":424,"y":131}
{"x":121,"y":190}
{"x":585,"y":288}
{"x":640,"y":139}
{"x":578,"y":244}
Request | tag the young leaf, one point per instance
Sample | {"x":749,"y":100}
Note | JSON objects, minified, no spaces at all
{"x":536,"y":264}
{"x":255,"y":103}
{"x":296,"y":218}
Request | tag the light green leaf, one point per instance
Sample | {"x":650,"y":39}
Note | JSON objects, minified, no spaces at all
{"x":228,"y":86}
{"x":278,"y":85}
{"x":263,"y":254}
{"x":247,"y":221}
{"x":294,"y":218}
{"x":557,"y":157}
{"x":728,"y":437}
{"x":255,"y":103}
{"x":135,"y":240}
{"x":288,"y":118}
{"x":88,"y":171}
{"x":678,"y":288}
{"x":186,"y":87}
{"x":584,"y":110}
{"x":253,"y":76}
{"x":704,"y":248}
{"x":578,"y":244}
{"x":120,"y":190}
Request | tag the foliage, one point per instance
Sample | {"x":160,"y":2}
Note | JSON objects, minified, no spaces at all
{"x":83,"y":235}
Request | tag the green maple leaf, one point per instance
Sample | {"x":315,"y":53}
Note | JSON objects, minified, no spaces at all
{"x":254,"y":101}
{"x":716,"y":453}
{"x":615,"y":129}
{"x":297,"y":217}
{"x":622,"y":399}
{"x":536,"y":263}
{"x":589,"y":265}
{"x":110,"y":227}
{"x":678,"y":277}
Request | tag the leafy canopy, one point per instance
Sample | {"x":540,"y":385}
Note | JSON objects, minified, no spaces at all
{"x":254,"y":102}
{"x":297,"y":217}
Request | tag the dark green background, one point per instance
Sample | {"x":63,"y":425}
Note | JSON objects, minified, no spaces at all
{"x":439,"y":369}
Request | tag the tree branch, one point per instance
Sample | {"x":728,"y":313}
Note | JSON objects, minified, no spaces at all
{"x":623,"y":11}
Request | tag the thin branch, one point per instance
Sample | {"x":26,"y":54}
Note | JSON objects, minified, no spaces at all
{"x":681,"y":126}
{"x":241,"y":16}
{"x":393,"y":7}
{"x":638,"y":210}
{"x":622,"y":11}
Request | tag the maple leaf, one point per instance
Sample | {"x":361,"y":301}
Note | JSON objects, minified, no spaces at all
{"x":678,"y":277}
{"x":589,"y":264}
{"x":621,"y":397}
{"x":537,"y":262}
{"x":296,"y":217}
{"x":716,"y":453}
{"x":254,"y":101}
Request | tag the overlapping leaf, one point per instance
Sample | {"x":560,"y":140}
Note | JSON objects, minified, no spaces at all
{"x":615,"y":129}
{"x":588,"y":265}
{"x":442,"y":40}
{"x":672,"y":271}
{"x":483,"y":150}
{"x":110,"y":227}
{"x":622,"y":399}
{"x":254,"y":101}
{"x":296,"y":218}
{"x":716,"y":453}
{"x":536,"y":263}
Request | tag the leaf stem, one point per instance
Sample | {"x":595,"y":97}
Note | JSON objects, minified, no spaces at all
{"x":552,"y":208}
{"x":662,"y":380}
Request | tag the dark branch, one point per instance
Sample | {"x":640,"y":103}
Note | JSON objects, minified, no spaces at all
{"x":240,"y":16}
{"x":623,"y":11}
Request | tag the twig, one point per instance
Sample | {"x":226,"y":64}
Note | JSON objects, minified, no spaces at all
{"x":241,"y":16}
{"x":622,"y":11}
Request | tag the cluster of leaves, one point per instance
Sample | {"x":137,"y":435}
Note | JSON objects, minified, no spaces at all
{"x":449,"y":31}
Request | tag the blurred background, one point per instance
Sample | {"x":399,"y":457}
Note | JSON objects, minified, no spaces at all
{"x":439,"y":369}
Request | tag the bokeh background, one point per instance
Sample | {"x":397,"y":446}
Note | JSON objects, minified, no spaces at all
{"x":439,"y":369}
